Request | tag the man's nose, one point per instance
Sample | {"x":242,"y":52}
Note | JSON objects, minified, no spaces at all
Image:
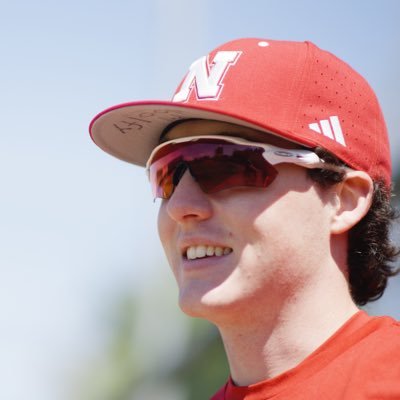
{"x":188,"y":201}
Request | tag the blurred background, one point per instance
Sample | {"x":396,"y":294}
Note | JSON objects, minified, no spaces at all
{"x":88,"y":308}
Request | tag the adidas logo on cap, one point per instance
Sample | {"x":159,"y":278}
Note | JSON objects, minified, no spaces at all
{"x":330,"y":128}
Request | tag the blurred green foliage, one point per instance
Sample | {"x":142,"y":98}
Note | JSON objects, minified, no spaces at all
{"x":118,"y":375}
{"x":116,"y":372}
{"x":204,"y":368}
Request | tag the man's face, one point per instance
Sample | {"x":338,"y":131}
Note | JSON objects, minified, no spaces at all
{"x":273,"y":240}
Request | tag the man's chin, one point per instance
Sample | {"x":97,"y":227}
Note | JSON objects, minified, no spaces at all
{"x":210,"y":305}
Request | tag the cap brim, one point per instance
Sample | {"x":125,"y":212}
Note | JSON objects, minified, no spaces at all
{"x":130,"y":131}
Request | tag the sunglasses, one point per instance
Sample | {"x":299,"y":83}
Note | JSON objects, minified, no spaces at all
{"x":221,"y":162}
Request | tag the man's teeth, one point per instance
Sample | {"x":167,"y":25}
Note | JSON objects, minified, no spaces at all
{"x":202,"y":251}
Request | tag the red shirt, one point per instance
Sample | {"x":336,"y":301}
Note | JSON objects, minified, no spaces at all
{"x":360,"y":361}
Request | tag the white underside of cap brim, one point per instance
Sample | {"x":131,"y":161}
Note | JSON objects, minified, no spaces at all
{"x":130,"y":131}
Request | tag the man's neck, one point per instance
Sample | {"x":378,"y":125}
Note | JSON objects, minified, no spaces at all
{"x":261,"y":349}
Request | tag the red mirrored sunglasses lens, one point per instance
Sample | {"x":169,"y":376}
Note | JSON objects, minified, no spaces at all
{"x":215,"y":165}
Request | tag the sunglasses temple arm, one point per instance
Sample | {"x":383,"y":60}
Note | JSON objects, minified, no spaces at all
{"x":303,"y":158}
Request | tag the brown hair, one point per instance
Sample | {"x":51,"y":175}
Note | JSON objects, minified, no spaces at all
{"x":371,"y":254}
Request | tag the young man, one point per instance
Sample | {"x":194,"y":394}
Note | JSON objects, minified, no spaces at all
{"x":273,"y":163}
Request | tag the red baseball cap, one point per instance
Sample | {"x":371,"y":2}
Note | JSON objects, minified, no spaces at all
{"x":294,"y":90}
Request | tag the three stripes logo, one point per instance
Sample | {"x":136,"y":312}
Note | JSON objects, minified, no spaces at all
{"x":330,"y":128}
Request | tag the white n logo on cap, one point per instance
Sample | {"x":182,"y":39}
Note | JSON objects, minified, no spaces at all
{"x":205,"y":78}
{"x":330,"y":128}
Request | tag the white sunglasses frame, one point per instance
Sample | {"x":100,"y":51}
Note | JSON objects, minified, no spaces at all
{"x":272,"y":154}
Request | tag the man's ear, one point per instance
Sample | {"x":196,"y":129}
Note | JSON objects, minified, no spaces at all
{"x":354,"y":197}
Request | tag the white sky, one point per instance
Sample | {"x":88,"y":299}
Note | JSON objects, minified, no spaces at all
{"x":77,"y":226}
